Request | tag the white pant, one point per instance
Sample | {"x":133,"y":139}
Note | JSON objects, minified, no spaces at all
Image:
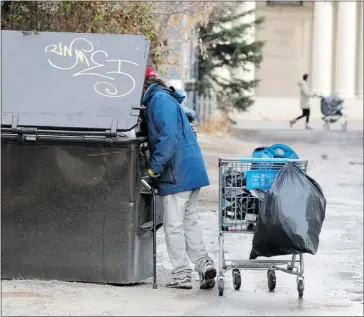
{"x":183,"y":234}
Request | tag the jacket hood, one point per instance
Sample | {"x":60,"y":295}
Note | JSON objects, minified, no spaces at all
{"x":152,"y":89}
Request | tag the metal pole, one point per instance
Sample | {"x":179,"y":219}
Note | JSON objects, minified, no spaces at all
{"x":154,"y":241}
{"x":197,"y":58}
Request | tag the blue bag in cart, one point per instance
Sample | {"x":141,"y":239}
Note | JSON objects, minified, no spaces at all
{"x":291,"y":215}
{"x":262,"y":174}
{"x":275,"y":151}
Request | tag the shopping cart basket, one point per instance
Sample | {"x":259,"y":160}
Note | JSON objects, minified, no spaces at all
{"x":242,"y":186}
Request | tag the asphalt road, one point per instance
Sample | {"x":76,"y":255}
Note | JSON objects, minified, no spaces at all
{"x":333,"y":277}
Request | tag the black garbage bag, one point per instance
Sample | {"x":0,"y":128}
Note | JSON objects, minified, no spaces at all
{"x":291,"y":216}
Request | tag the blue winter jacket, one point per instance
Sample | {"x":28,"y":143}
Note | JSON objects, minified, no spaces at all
{"x":175,"y":153}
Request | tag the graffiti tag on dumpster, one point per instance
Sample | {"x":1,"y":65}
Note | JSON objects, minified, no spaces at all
{"x":81,"y":53}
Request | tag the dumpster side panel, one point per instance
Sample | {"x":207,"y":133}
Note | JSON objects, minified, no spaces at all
{"x":120,"y":221}
{"x":128,"y":248}
{"x":61,"y":207}
{"x":128,"y":256}
{"x":51,"y":214}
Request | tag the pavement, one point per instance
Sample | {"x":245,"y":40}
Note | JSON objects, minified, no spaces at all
{"x":333,"y":277}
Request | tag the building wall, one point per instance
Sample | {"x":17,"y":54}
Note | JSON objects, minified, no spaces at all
{"x":287,"y":35}
{"x":288,"y":32}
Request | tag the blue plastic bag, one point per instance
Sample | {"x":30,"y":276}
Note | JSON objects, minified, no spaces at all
{"x":275,"y":151}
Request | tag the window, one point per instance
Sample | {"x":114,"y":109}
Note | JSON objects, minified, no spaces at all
{"x":284,"y":3}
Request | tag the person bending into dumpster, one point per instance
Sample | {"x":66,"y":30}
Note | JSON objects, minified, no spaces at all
{"x":176,"y":162}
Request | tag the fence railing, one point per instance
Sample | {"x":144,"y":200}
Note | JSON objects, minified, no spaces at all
{"x":205,"y":105}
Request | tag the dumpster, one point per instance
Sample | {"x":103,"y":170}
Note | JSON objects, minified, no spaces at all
{"x":73,"y":206}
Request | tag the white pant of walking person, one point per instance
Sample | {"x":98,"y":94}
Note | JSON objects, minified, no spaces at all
{"x":184,"y":240}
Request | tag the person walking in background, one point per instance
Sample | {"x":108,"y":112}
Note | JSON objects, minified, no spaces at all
{"x":177,"y":164}
{"x":305,"y":96}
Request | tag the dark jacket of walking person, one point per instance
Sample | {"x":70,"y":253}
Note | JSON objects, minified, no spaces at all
{"x":178,"y":165}
{"x":305,"y":96}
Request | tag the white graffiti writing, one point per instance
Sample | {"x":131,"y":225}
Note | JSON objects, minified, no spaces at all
{"x":82,"y":52}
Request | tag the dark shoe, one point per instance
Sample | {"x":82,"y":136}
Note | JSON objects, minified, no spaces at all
{"x":184,"y":283}
{"x":207,"y":276}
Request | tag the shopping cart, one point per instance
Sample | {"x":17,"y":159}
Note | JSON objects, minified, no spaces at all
{"x":242,"y":186}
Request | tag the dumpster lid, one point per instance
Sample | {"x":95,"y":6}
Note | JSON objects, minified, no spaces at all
{"x":72,"y":80}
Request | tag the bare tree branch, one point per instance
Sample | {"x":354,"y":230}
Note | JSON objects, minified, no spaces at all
{"x":180,"y":18}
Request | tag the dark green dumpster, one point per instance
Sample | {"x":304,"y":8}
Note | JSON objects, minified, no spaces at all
{"x":73,"y":206}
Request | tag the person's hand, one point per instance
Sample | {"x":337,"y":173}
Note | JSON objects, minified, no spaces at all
{"x":193,"y":129}
{"x":152,"y":175}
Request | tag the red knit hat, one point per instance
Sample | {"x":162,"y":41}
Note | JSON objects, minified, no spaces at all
{"x":150,"y":72}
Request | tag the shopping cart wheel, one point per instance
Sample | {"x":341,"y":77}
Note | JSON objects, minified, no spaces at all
{"x":220,"y":285}
{"x":344,"y":126}
{"x":271,"y":274}
{"x":326,"y":126}
{"x":236,"y":279}
{"x":300,"y":286}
